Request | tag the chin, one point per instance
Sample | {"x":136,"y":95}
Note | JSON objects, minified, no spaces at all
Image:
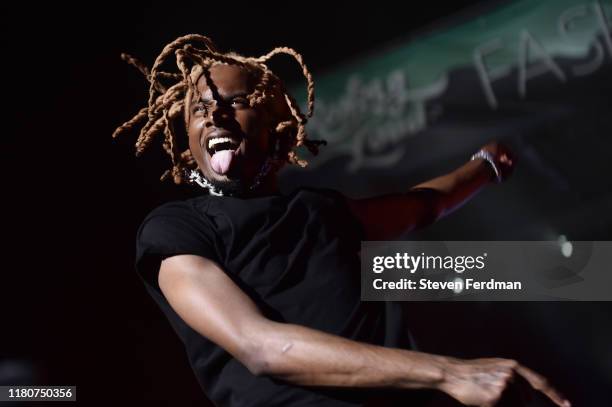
{"x":233,"y":180}
{"x":230,"y":185}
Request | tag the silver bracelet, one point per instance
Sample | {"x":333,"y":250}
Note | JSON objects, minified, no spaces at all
{"x":489,"y":158}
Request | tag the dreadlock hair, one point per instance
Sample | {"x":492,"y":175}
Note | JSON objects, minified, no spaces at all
{"x":170,"y":91}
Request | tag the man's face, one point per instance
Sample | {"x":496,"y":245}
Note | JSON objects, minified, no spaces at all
{"x":228,"y":138}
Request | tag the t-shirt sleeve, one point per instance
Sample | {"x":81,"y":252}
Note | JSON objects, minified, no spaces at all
{"x":350,"y":224}
{"x":172,"y":229}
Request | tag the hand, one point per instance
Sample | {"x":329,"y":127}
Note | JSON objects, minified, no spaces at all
{"x":503,"y":157}
{"x":481,"y":382}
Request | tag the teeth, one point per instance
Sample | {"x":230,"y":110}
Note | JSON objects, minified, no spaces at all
{"x":217,"y":140}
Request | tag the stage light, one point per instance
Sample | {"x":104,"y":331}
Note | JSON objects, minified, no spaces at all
{"x":566,"y":246}
{"x":458,"y":285}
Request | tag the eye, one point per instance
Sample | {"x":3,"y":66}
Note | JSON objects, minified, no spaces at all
{"x":240,"y":102}
{"x":199,"y":108}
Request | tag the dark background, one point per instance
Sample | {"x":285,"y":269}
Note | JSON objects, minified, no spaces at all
{"x":73,"y":309}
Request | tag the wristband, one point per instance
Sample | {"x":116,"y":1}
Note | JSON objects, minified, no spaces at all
{"x":487,"y":156}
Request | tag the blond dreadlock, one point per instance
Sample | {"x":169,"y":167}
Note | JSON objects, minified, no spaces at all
{"x":166,"y":100}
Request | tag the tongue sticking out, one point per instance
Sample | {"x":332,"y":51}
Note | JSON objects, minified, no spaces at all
{"x":221,"y":160}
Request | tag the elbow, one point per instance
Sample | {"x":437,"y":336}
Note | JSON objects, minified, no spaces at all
{"x":252,"y":356}
{"x":430,"y":197}
{"x":257,"y":365}
{"x":268,"y":358}
{"x":441,"y":205}
{"x":262,"y":366}
{"x":255,"y":358}
{"x":262,"y":347}
{"x":437,"y":202}
{"x":436,"y":207}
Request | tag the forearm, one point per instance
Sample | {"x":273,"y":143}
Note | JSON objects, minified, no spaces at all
{"x":309,"y":357}
{"x":459,"y":186}
{"x":306,"y":356}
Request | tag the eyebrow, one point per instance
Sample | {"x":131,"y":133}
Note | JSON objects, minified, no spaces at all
{"x":224,"y":97}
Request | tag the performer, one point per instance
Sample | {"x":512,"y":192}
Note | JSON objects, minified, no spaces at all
{"x":264,"y":288}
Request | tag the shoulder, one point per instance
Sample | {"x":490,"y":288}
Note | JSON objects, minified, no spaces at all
{"x":178,"y":208}
{"x":165,"y":214}
{"x":177,"y":211}
{"x":327,"y":194}
{"x":173,"y":228}
{"x":174,"y":221}
{"x":336,"y":204}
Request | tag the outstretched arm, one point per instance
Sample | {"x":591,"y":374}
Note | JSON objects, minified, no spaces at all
{"x":213,"y":305}
{"x":386,"y":217}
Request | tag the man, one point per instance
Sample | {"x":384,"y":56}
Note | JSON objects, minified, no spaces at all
{"x":263,"y":288}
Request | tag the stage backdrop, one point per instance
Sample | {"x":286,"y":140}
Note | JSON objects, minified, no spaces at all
{"x":535,"y":74}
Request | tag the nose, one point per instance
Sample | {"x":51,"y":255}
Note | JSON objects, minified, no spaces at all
{"x":219,"y":114}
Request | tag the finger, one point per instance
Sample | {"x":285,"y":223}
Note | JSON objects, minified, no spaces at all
{"x":538,"y":382}
{"x":506,"y":374}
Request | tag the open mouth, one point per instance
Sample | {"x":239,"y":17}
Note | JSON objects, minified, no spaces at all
{"x":223,"y":151}
{"x":216,"y":144}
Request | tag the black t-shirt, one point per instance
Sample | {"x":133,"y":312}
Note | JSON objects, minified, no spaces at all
{"x":297,"y":257}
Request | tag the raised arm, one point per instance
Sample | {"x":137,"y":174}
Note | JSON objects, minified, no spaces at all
{"x":386,"y":217}
{"x":213,"y":305}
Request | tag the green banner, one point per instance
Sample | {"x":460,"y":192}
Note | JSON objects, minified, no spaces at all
{"x":490,"y":64}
